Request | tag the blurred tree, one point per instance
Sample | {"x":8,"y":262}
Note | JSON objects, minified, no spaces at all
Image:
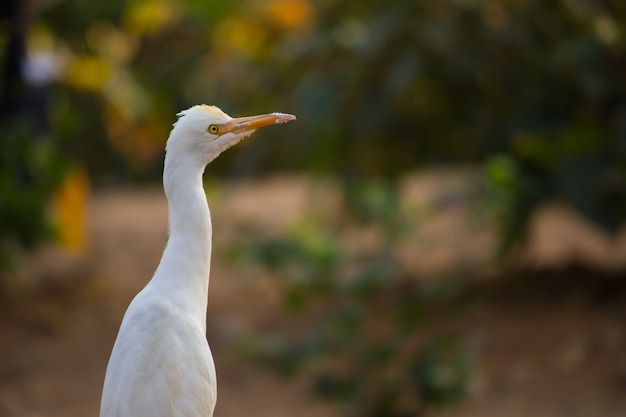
{"x":379,"y":87}
{"x":30,"y":166}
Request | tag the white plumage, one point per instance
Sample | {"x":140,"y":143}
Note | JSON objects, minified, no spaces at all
{"x":161,"y":364}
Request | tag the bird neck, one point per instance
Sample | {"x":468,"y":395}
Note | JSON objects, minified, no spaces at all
{"x":185,"y":265}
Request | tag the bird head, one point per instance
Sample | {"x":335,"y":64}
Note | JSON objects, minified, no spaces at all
{"x":203,"y":132}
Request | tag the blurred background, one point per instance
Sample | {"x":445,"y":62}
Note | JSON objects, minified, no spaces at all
{"x":439,"y":233}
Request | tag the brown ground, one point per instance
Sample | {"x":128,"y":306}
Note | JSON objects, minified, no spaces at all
{"x":546,"y":344}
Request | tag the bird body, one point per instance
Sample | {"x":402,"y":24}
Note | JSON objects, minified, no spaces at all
{"x":161,"y":364}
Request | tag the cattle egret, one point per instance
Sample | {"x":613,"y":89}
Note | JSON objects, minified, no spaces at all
{"x":161,"y":364}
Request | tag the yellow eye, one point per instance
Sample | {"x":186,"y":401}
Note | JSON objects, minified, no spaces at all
{"x":214,"y":129}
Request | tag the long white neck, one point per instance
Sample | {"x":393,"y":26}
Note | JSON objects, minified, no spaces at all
{"x":185,"y":265}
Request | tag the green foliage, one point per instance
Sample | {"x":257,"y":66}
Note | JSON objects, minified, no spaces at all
{"x":442,"y":372}
{"x":365,"y":345}
{"x":379,"y":88}
{"x":574,"y":165}
{"x":374,"y":201}
{"x":515,"y":195}
{"x":30,"y":168}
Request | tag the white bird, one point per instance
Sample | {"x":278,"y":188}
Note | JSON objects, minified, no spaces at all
{"x":161,"y":364}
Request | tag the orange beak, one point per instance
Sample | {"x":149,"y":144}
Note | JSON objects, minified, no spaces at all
{"x":251,"y":123}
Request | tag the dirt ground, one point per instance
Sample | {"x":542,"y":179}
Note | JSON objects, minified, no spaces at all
{"x":548,"y":342}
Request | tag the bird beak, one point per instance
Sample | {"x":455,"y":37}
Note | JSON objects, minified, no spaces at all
{"x":251,"y":123}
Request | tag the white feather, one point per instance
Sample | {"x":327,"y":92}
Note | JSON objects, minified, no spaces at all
{"x":161,"y":364}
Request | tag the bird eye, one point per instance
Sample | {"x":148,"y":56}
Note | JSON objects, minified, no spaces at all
{"x":214,"y":129}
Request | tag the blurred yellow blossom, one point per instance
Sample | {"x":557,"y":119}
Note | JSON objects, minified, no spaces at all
{"x":248,"y":34}
{"x":606,"y":30}
{"x":290,"y":14}
{"x":240,"y":33}
{"x":88,"y":72}
{"x":68,"y":206}
{"x":148,"y":16}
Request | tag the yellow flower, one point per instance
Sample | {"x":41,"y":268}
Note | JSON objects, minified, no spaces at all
{"x":68,"y":206}
{"x":290,"y":14}
{"x":88,"y":72}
